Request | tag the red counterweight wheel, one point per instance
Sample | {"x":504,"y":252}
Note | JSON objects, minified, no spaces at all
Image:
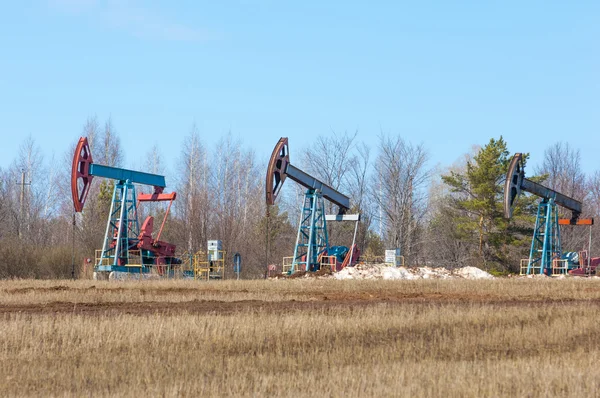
{"x":80,"y":174}
{"x":276,"y":171}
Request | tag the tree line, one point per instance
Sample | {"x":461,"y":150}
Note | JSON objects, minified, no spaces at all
{"x":446,"y":217}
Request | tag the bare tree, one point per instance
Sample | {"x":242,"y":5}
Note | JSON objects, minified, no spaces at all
{"x":91,"y":130}
{"x":562,"y":166}
{"x":593,"y":201}
{"x":3,"y":203}
{"x":154,"y":163}
{"x":111,"y":153}
{"x":358,"y":186}
{"x":592,"y":207}
{"x":330,"y":159}
{"x":333,"y":160}
{"x":399,"y":191}
{"x":27,"y":174}
{"x":238,"y":199}
{"x":358,"y":177}
{"x":193,"y":193}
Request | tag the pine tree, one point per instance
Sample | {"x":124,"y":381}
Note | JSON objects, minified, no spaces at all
{"x":477,"y":201}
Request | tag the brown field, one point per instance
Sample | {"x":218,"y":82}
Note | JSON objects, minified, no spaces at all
{"x":458,"y":338}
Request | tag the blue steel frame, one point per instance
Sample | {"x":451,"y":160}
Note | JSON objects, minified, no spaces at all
{"x":122,"y":228}
{"x":122,"y":231}
{"x":545,"y":246}
{"x":137,"y":177}
{"x":122,"y":235}
{"x":312,"y":239}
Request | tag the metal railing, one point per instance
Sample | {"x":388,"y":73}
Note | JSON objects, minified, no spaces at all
{"x":325,"y":261}
{"x":560,"y":267}
{"x":98,"y":260}
{"x":329,"y":261}
{"x":287,"y":264}
{"x":213,"y":269}
{"x":134,"y":259}
{"x":535,"y":269}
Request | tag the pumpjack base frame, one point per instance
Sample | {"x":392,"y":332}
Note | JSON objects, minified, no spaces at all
{"x":312,"y":239}
{"x":545,"y":245}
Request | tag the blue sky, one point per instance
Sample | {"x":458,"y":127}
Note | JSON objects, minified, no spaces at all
{"x":449,"y":74}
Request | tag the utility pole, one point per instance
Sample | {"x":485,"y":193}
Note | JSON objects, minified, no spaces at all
{"x":22,"y":199}
{"x":380,"y":208}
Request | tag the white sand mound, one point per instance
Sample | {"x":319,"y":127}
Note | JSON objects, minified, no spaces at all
{"x":382,"y":271}
{"x":397,"y":273}
{"x":472,"y":273}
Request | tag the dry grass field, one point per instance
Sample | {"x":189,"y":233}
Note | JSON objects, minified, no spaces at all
{"x":457,"y":338}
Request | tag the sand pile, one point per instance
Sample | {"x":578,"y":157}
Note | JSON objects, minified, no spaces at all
{"x":382,"y":271}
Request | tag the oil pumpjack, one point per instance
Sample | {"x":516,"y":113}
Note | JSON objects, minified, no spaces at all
{"x":312,"y":241}
{"x":546,"y":247}
{"x":126,"y":248}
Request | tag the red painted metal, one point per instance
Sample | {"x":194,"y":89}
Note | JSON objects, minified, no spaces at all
{"x":145,"y":237}
{"x":156,"y":197}
{"x":160,"y":250}
{"x":165,"y":220}
{"x":80,"y":174}
{"x":157,"y":247}
{"x":280,"y":158}
{"x":159,"y":197}
{"x":583,"y":270}
{"x":354,"y":252}
{"x":337,"y":266}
